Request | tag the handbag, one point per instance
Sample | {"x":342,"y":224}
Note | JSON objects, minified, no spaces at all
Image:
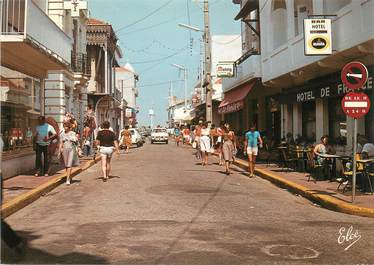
{"x":194,"y":145}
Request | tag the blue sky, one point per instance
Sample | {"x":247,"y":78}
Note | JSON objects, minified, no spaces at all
{"x":156,"y":42}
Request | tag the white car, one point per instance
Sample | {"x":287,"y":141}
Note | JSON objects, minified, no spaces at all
{"x":159,"y":135}
{"x":136,"y":138}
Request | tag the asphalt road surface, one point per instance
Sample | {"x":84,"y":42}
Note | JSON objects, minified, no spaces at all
{"x":161,"y":207}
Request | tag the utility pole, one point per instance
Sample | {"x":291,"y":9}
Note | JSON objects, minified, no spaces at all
{"x":208,"y":64}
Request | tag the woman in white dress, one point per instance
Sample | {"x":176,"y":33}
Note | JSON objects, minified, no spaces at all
{"x":205,"y":143}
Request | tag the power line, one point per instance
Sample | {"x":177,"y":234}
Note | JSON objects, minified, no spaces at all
{"x":160,"y":59}
{"x":224,"y":43}
{"x":145,"y":17}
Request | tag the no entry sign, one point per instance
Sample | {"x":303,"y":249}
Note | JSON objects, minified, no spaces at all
{"x":354,"y":75}
{"x":356,"y":105}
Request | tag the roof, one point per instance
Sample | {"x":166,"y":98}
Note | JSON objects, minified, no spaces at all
{"x":94,"y":21}
{"x":248,"y":7}
{"x":127,"y":68}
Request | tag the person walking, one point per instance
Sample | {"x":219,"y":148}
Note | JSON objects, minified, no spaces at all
{"x":220,"y":132}
{"x":177,"y":135}
{"x":205,"y":143}
{"x":106,"y":142}
{"x":252,"y":138}
{"x":228,"y":147}
{"x":213,"y":137}
{"x":126,"y":139}
{"x":68,"y":149}
{"x":44,"y":134}
{"x":197,"y":136}
{"x":186,"y":135}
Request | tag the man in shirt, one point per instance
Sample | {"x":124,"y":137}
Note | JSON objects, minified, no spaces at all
{"x":252,"y":138}
{"x":44,"y":134}
{"x":367,"y":151}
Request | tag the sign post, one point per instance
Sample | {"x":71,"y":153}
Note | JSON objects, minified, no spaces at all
{"x":356,"y":105}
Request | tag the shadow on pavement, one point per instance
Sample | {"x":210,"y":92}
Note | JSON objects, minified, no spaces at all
{"x":38,"y":256}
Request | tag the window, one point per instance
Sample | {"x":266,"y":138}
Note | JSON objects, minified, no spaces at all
{"x":279,"y":22}
{"x":331,"y":7}
{"x":309,"y":121}
{"x":302,"y":9}
{"x":337,"y":122}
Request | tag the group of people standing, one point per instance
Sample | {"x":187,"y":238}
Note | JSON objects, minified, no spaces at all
{"x":221,"y":141}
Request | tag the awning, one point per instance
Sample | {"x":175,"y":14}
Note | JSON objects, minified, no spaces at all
{"x":249,"y":6}
{"x":234,"y":99}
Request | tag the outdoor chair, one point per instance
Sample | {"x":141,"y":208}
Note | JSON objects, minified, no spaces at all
{"x":347,"y":175}
{"x":271,"y":151}
{"x":286,"y":161}
{"x":315,"y":170}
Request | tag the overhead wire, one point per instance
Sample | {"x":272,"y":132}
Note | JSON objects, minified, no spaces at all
{"x":145,"y":17}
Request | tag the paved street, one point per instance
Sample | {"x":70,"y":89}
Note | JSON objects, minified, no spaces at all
{"x":161,"y":207}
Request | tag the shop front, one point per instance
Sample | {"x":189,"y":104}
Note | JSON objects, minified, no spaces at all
{"x":20,"y":108}
{"x":314,"y":109}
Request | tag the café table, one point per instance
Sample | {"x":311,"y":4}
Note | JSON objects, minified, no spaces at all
{"x":333,"y":158}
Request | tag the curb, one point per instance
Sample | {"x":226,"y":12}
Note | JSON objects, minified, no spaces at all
{"x":27,"y":198}
{"x":325,"y":201}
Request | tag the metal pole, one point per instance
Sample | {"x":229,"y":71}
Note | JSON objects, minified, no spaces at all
{"x":185,"y":89}
{"x":354,"y":160}
{"x":208,"y":66}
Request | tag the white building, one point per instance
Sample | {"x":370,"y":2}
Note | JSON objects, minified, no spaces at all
{"x":31,"y":45}
{"x":126,"y":82}
{"x":65,"y":91}
{"x":277,"y":74}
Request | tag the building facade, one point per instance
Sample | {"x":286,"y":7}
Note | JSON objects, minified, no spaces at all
{"x":126,"y":82}
{"x":103,"y":56}
{"x":300,"y":95}
{"x":28,"y":53}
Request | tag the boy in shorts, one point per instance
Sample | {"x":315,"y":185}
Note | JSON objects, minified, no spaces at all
{"x":252,"y":138}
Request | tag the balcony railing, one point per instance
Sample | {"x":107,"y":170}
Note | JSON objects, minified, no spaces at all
{"x":117,"y":95}
{"x":23,"y":20}
{"x":79,"y":63}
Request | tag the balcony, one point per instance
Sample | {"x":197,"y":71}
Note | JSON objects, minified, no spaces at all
{"x":30,"y":41}
{"x":246,"y":69}
{"x":117,"y":95}
{"x":79,"y":64}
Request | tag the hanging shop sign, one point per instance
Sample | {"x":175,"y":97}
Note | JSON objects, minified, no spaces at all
{"x":128,"y":113}
{"x":354,"y":75}
{"x":317,"y":36}
{"x":225,"y":69}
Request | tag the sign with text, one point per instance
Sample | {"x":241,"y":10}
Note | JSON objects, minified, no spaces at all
{"x":317,"y":36}
{"x":354,"y":75}
{"x":225,"y":69}
{"x":356,"y":105}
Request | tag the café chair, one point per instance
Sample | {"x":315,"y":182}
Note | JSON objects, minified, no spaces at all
{"x":286,"y":161}
{"x":347,"y":175}
{"x":315,"y":170}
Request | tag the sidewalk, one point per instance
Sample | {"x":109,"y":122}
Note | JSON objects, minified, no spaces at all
{"x":322,"y":192}
{"x":21,"y":190}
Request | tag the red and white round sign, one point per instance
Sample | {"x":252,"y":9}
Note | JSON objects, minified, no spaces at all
{"x":356,"y":105}
{"x":354,"y":75}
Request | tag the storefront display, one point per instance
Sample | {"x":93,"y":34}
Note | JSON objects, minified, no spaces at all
{"x":20,"y":107}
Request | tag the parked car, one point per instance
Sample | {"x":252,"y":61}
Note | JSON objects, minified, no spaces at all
{"x":170,"y":131}
{"x":159,"y":135}
{"x":136,"y":138}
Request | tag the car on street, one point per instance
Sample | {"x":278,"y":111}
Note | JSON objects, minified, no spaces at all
{"x":136,"y":138}
{"x":159,"y":135}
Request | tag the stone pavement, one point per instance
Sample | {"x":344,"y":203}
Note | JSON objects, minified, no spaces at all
{"x":21,"y":184}
{"x":322,"y":187}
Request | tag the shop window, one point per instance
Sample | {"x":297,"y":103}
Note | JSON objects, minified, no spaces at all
{"x":279,"y":18}
{"x":331,"y":7}
{"x":20,"y":107}
{"x":309,"y":121}
{"x":302,"y":9}
{"x":337,"y":122}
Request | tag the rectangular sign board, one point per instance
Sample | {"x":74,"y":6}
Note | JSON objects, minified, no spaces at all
{"x":225,"y":69}
{"x":317,"y":36}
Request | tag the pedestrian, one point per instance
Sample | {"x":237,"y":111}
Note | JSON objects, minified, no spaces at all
{"x":177,"y":135}
{"x":186,"y":135}
{"x":197,"y":134}
{"x":220,"y":132}
{"x":228,"y":147}
{"x":205,"y":144}
{"x":106,"y":142}
{"x":252,"y":140}
{"x":86,"y":139}
{"x":213,"y":137}
{"x":126,"y":138}
{"x":44,"y":134}
{"x":29,"y":136}
{"x":68,"y":149}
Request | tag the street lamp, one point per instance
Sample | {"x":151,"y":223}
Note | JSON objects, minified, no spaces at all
{"x":189,"y":27}
{"x":184,"y":69}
